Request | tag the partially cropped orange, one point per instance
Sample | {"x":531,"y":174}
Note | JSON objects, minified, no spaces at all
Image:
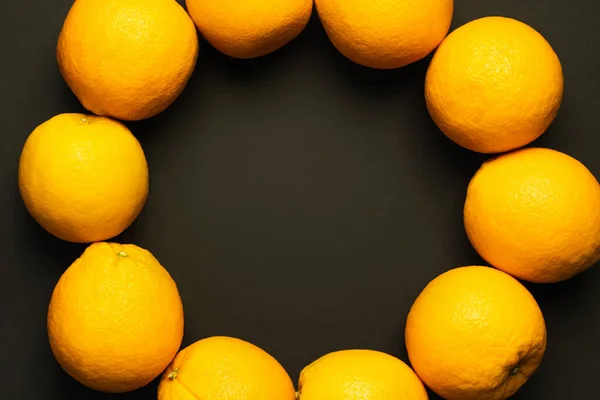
{"x":494,"y":84}
{"x":535,"y":214}
{"x":127,"y":59}
{"x":115,"y":320}
{"x":359,"y":374}
{"x":385,"y":34}
{"x":225,"y":368}
{"x":251,"y":28}
{"x":475,"y":333}
{"x":83,"y":178}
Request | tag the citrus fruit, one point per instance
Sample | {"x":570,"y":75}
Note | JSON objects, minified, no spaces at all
{"x":359,"y":374}
{"x":127,"y":59}
{"x":535,"y":214}
{"x":225,"y":368}
{"x":475,"y":333}
{"x":83,"y":178}
{"x":494,"y":85}
{"x":115,"y":319}
{"x":385,"y":34}
{"x":252,"y":28}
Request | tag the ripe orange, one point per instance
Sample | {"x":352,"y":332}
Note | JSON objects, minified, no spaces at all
{"x":250,"y":29}
{"x":385,"y":34}
{"x":535,"y":214}
{"x":127,"y":59}
{"x":115,"y":319}
{"x":359,"y":375}
{"x":225,"y":368}
{"x":494,"y":85}
{"x":475,"y":333}
{"x":83,"y":178}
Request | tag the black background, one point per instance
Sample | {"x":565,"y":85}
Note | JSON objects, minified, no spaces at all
{"x":301,"y":202}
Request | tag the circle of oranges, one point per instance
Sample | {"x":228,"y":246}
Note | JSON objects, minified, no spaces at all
{"x":519,"y":200}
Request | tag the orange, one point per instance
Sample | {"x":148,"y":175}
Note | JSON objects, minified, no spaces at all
{"x":494,"y":85}
{"x":535,"y":214}
{"x":359,"y":374}
{"x":115,"y":319}
{"x":127,"y":59}
{"x":83,"y":178}
{"x":475,"y":333}
{"x":225,"y":368}
{"x":385,"y":34}
{"x":252,"y":28}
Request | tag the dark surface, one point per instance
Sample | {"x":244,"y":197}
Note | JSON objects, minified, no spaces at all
{"x":300,"y":202}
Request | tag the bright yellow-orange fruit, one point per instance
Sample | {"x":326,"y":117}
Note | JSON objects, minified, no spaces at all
{"x":385,"y":34}
{"x":494,"y":85}
{"x":225,"y":368}
{"x":475,"y":333}
{"x":115,"y":319}
{"x":83,"y":178}
{"x":535,"y":214}
{"x":252,"y":28}
{"x":359,"y":375}
{"x":127,"y":59}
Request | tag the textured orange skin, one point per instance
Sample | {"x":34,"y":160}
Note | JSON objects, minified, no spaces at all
{"x":469,"y":329}
{"x":535,"y":214}
{"x":385,"y":34}
{"x":359,"y":375}
{"x":83,"y":178}
{"x":494,"y":85}
{"x":115,"y":322}
{"x":127,"y":59}
{"x":225,"y":368}
{"x":249,"y":28}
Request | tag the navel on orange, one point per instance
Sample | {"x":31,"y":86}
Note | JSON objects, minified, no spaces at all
{"x":475,"y":333}
{"x":115,"y":320}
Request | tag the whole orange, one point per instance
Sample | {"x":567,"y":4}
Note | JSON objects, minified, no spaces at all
{"x":252,"y":28}
{"x":475,"y":333}
{"x":127,"y":59}
{"x":493,"y":85}
{"x":535,"y":214}
{"x":225,"y":368}
{"x":83,"y":178}
{"x":115,"y":320}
